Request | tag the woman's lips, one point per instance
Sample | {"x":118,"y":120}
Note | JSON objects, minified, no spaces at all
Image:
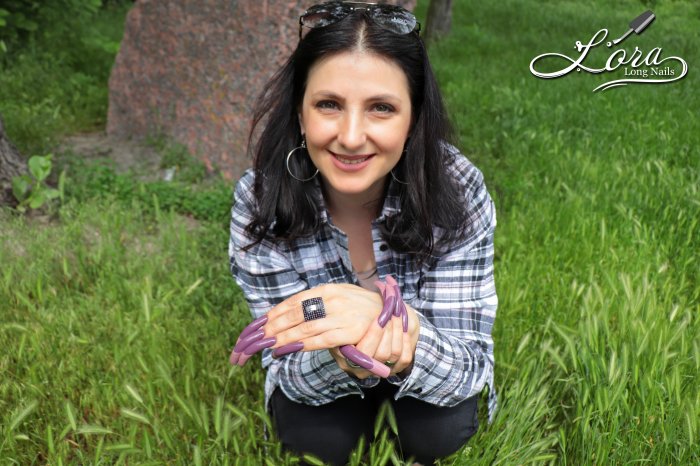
{"x":351,"y":163}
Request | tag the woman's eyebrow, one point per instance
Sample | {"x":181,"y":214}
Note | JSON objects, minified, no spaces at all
{"x":333,"y":95}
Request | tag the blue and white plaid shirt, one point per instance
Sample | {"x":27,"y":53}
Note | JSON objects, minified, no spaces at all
{"x":454,"y":296}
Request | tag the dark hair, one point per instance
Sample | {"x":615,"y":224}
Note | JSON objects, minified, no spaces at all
{"x":430,"y":198}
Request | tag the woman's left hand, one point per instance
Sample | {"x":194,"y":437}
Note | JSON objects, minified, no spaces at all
{"x":349,"y":312}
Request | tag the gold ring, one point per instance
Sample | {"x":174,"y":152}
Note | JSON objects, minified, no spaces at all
{"x":389,"y":363}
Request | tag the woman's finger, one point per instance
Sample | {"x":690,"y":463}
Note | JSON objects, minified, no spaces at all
{"x":384,"y":350}
{"x":396,"y":341}
{"x":406,"y":358}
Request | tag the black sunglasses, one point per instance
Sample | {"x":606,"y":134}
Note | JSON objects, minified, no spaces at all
{"x":390,"y":17}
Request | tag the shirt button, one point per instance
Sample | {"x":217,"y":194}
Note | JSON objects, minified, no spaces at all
{"x":383,"y":247}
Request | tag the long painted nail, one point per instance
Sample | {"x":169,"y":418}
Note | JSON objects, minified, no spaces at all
{"x":287,"y":349}
{"x":260,"y":345}
{"x":390,"y":280}
{"x":387,"y":311}
{"x":243,"y":343}
{"x":255,"y":347}
{"x":253,"y":326}
{"x":399,"y":301}
{"x":381,"y":287}
{"x":404,"y":317}
{"x":364,"y":361}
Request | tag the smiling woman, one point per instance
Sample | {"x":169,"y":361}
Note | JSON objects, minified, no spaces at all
{"x":363,"y":243}
{"x":355,"y":129}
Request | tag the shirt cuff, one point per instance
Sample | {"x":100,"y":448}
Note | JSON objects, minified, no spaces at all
{"x":421,"y":382}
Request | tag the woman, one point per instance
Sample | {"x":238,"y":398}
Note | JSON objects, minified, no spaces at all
{"x":354,"y":184}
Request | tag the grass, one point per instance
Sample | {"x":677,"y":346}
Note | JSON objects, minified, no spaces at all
{"x":117,"y":316}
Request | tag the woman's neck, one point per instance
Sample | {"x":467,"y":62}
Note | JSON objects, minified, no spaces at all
{"x":367,"y":204}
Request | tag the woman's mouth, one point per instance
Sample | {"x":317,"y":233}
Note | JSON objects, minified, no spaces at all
{"x":351,"y":162}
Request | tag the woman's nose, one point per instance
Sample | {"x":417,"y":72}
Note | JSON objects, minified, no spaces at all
{"x":351,"y":133}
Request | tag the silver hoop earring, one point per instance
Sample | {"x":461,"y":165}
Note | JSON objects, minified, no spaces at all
{"x":392,"y":171}
{"x":303,"y":146}
{"x":396,"y":179}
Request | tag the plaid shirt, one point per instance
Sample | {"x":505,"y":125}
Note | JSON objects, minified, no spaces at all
{"x":454,"y":296}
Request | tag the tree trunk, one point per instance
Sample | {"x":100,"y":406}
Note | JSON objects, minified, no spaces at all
{"x":439,"y":20}
{"x":11,"y":164}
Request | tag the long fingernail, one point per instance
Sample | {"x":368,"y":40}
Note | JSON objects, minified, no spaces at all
{"x":387,"y":311}
{"x":391,"y":281}
{"x":288,"y":348}
{"x":233,"y":359}
{"x":255,"y":347}
{"x":259,"y":345}
{"x":404,"y":317}
{"x":381,"y":287}
{"x":399,"y":301}
{"x":244,"y":342}
{"x":364,"y":361}
{"x":253,"y":326}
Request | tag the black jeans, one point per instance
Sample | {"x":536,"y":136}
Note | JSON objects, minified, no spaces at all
{"x":331,"y":432}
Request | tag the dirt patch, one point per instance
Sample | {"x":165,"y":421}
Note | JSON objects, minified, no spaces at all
{"x":137,"y":156}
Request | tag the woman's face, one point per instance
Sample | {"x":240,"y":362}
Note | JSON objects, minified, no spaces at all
{"x":356,"y":114}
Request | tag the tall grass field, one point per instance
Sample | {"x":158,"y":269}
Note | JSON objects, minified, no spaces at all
{"x":117,"y":313}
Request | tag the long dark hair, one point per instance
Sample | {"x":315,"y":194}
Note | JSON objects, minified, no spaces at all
{"x":430,"y":198}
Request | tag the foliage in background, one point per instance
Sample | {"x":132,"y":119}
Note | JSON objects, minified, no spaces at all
{"x":116,"y":319}
{"x":53,"y":77}
{"x":31,"y":189}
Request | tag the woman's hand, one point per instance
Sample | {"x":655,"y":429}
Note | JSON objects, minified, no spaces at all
{"x":390,"y":345}
{"x":349,"y":309}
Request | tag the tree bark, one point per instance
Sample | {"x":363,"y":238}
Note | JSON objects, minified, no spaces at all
{"x":439,"y":20}
{"x":11,"y":164}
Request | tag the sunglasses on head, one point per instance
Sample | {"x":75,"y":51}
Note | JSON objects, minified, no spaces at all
{"x":390,"y":17}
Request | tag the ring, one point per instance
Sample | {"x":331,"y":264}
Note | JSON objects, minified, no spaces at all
{"x":352,"y":364}
{"x":389,"y":363}
{"x":313,"y":309}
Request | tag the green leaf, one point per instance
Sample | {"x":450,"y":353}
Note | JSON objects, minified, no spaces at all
{"x":37,"y":199}
{"x":51,"y":193}
{"x":20,"y":187}
{"x":40,"y":167}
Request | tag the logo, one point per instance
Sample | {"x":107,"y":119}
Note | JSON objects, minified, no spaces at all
{"x":638,"y":67}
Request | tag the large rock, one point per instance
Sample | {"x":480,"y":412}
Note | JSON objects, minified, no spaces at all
{"x":191,"y":71}
{"x":11,"y":164}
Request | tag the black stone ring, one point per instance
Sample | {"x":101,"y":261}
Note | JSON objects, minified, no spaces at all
{"x":313,"y":309}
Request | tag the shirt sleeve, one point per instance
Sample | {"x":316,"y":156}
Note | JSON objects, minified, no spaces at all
{"x":456,"y":306}
{"x":265,"y":275}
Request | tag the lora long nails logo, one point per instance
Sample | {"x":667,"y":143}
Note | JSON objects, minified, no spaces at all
{"x":638,"y":67}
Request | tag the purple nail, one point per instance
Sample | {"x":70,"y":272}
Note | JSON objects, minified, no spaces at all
{"x":364,"y":361}
{"x":253,"y":326}
{"x":391,"y":281}
{"x":250,"y":338}
{"x":255,"y":347}
{"x":288,"y":348}
{"x":404,"y":317}
{"x":387,"y":311}
{"x":381,"y":287}
{"x":399,"y":301}
{"x":242,"y":343}
{"x":259,"y":345}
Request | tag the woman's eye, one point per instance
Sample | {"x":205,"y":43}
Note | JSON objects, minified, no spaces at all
{"x":326,"y":104}
{"x":383,"y":108}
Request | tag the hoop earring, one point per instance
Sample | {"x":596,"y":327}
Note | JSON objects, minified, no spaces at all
{"x":303,"y":146}
{"x":394,"y":176}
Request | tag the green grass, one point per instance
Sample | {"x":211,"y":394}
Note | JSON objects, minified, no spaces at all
{"x":56,"y":83}
{"x":116,"y":317}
